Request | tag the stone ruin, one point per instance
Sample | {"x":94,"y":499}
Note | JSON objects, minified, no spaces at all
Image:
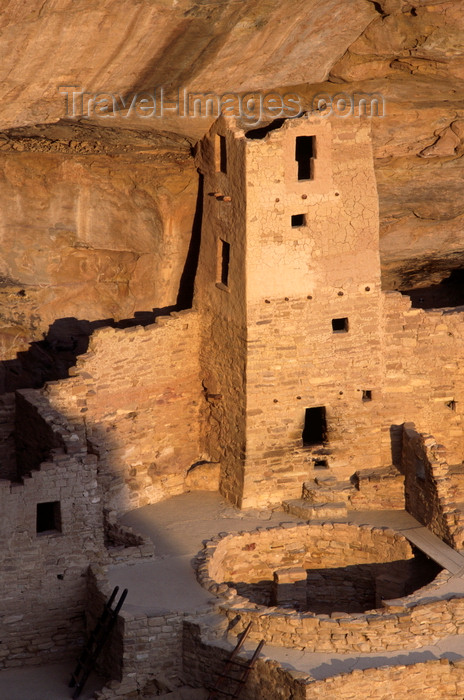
{"x":294,"y":383}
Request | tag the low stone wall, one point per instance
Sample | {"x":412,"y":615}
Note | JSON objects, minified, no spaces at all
{"x":123,"y":544}
{"x":252,"y":557}
{"x":433,"y":679}
{"x":430,"y":496}
{"x":439,"y":679}
{"x":141,"y":648}
{"x":377,"y":489}
{"x":204,"y":658}
{"x":408,"y":623}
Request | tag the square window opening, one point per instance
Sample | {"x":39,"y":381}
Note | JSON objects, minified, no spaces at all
{"x":223,"y":263}
{"x":221,"y":153}
{"x":367,"y":395}
{"x":298,"y":220}
{"x":315,"y":426}
{"x":340,"y":325}
{"x":48,"y":517}
{"x":305,"y":153}
{"x":321,"y":464}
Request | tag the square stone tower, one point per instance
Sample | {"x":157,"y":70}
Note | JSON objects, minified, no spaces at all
{"x":288,"y":285}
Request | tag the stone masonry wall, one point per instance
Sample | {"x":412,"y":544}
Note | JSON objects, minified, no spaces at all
{"x":424,"y":372}
{"x":142,"y":647}
{"x":254,"y":556}
{"x":43,"y":573}
{"x":136,"y":396}
{"x":223,"y":306}
{"x":410,"y":622}
{"x":7,"y":444}
{"x":300,"y":278}
{"x":438,"y":678}
{"x":429,"y":486}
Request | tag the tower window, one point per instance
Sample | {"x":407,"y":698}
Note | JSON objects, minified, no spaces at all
{"x":223,"y":263}
{"x":340,"y":325}
{"x":48,"y":517}
{"x":305,"y":153}
{"x":315,"y":426}
{"x":221,"y":153}
{"x":298,"y":220}
{"x":367,"y":395}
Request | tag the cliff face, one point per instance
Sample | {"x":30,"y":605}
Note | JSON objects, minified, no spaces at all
{"x":97,"y":214}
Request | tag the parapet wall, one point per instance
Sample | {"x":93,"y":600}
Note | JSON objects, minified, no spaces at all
{"x":136,"y":394}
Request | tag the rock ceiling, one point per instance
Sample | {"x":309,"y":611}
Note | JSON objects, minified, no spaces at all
{"x":97,"y":219}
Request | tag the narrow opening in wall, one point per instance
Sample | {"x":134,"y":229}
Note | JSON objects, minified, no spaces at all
{"x":367,"y":395}
{"x":340,"y":325}
{"x":298,"y":220}
{"x":321,"y":464}
{"x":451,"y":405}
{"x":315,"y":426}
{"x":305,"y":152}
{"x":223,"y":263}
{"x":48,"y":517}
{"x":221,"y":153}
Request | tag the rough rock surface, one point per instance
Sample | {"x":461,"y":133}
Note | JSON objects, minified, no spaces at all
{"x":94,"y":226}
{"x":96,"y":219}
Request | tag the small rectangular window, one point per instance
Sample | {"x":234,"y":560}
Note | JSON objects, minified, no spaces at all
{"x":221,"y":153}
{"x":315,"y":426}
{"x":367,"y":395}
{"x":321,"y":464}
{"x":305,"y":153}
{"x":298,"y":220}
{"x":340,"y":325}
{"x":223,"y":263}
{"x":48,"y":517}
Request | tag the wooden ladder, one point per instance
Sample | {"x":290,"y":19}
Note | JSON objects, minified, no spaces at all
{"x":235,"y":673}
{"x":95,"y":642}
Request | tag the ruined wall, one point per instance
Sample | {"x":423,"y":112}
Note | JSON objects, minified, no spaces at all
{"x":223,"y":306}
{"x":142,"y":647}
{"x":431,"y":488}
{"x":136,"y":395}
{"x":424,"y":372}
{"x":43,"y":570}
{"x":438,"y":678}
{"x":393,"y":626}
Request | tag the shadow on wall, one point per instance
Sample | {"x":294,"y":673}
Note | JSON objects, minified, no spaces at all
{"x":51,"y":358}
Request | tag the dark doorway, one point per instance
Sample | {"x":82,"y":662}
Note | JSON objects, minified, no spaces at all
{"x":315,"y":426}
{"x":305,"y":153}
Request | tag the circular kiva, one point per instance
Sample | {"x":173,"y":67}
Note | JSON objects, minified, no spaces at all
{"x":329,"y":587}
